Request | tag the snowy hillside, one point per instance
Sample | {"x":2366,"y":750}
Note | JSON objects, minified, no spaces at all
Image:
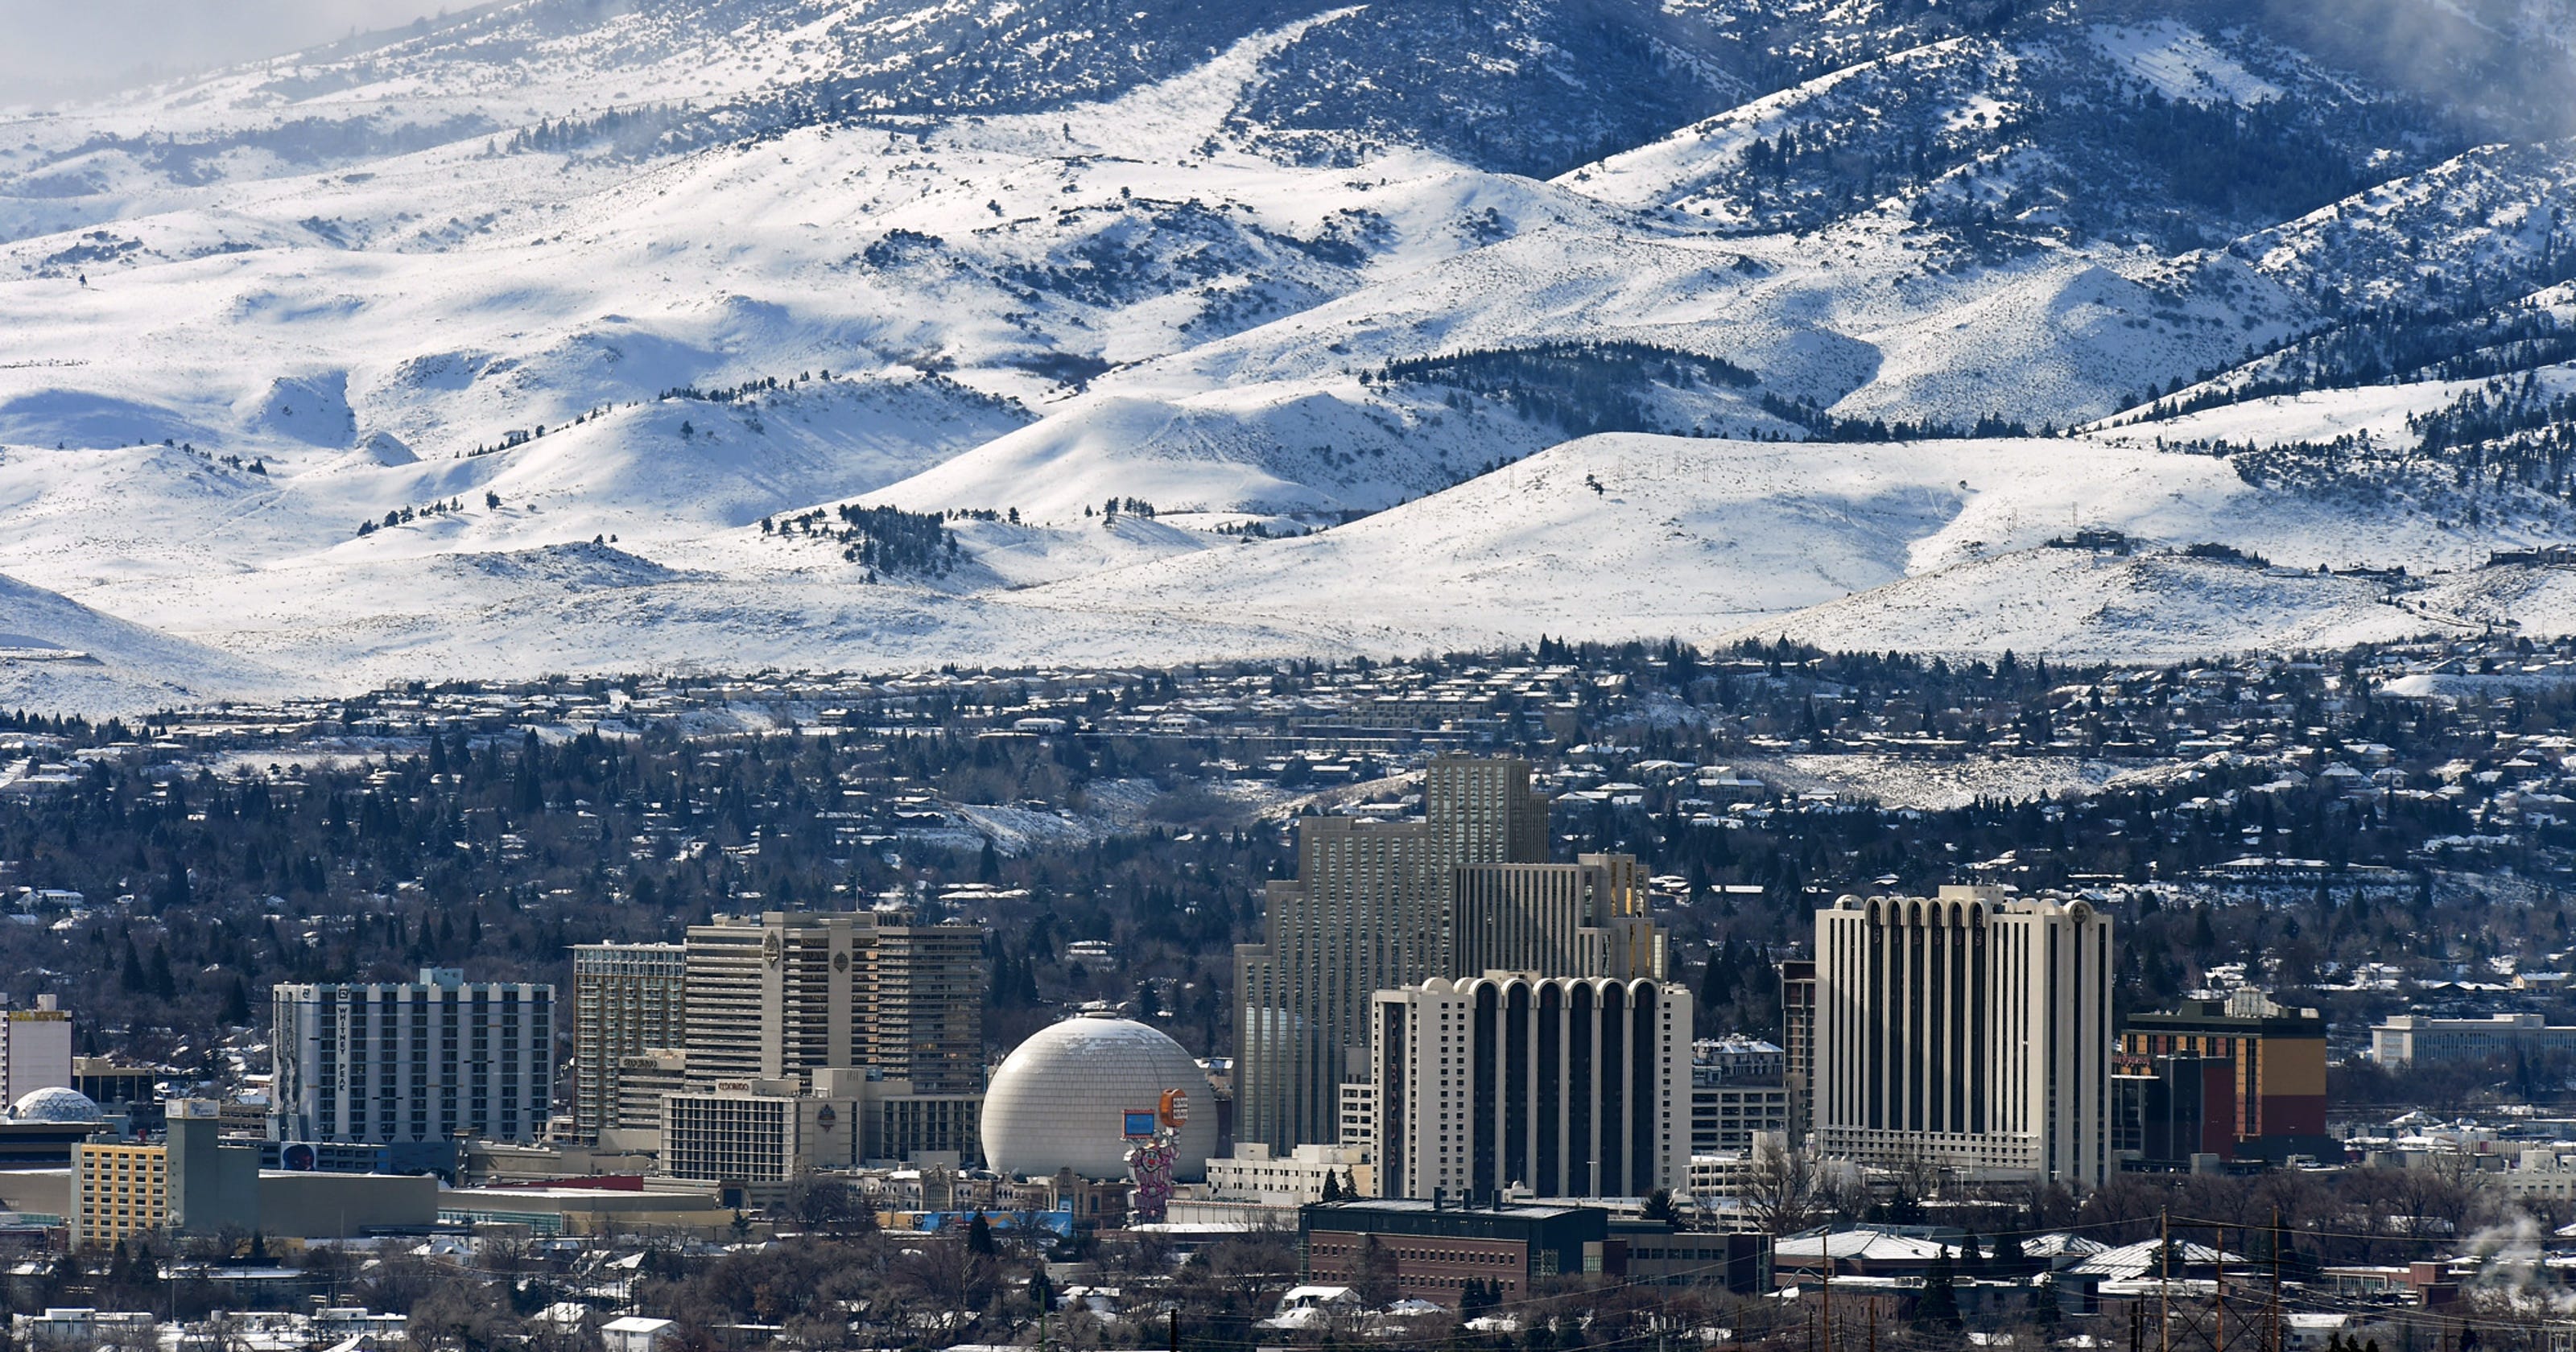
{"x":504,"y":342}
{"x":57,"y":653}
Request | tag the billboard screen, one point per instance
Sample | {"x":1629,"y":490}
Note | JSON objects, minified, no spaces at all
{"x":1140,"y":1124}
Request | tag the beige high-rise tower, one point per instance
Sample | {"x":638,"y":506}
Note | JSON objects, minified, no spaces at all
{"x":1568,"y":1086}
{"x":1361,"y":917}
{"x":779,"y":996}
{"x":1371,"y":909}
{"x":1969,"y":1032}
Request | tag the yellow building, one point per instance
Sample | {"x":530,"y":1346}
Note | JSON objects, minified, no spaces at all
{"x":118,"y":1192}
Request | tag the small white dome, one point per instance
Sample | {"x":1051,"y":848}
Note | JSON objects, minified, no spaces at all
{"x":1060,"y":1100}
{"x":55,"y":1104}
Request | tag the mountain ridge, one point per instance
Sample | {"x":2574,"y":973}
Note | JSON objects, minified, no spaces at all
{"x":551,"y":273}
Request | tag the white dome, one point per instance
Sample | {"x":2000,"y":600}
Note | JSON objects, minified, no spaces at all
{"x":1060,"y":1100}
{"x":55,"y":1104}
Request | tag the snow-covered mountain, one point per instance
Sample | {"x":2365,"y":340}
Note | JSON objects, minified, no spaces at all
{"x":506,"y":342}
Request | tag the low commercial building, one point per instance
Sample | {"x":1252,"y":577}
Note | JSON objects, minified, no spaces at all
{"x":130,"y":1092}
{"x":2410,"y":1040}
{"x":1719,"y":1176}
{"x":1725,"y":1117}
{"x":1255,"y":1174}
{"x":636,"y":1333}
{"x":621,"y":1207}
{"x":901,"y":1121}
{"x":1739,"y":1085}
{"x":756,"y":1135}
{"x":340,"y":1157}
{"x":196,"y":1183}
{"x":83,"y":1328}
{"x":1433,"y":1251}
{"x":42,"y":1145}
{"x":1648,"y":1253}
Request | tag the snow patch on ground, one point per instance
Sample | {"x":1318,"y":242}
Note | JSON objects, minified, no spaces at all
{"x":1933,"y":786}
{"x":2180,"y":64}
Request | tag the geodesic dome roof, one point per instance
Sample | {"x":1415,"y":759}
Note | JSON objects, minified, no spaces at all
{"x":55,"y":1104}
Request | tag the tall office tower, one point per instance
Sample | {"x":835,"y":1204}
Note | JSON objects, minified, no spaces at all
{"x":778,"y":996}
{"x":1483,"y":812}
{"x":1376,"y":906}
{"x":1567,"y":1086}
{"x":1970,"y":1032}
{"x":930,"y":1005}
{"x":1587,"y":918}
{"x":1361,"y":917}
{"x":625,"y":998}
{"x":413,"y":1061}
{"x":1798,"y":1044}
{"x":35,"y":1050}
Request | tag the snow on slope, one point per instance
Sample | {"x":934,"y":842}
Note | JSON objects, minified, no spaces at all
{"x":1680,"y":169}
{"x":1931,"y":545}
{"x":1682,"y":535}
{"x":1848,"y":320}
{"x":2071,"y":603}
{"x":57,"y":654}
{"x":2179,"y":63}
{"x":351,"y":269}
{"x":2495,"y":212}
{"x":1696,"y":537}
{"x":84,"y":518}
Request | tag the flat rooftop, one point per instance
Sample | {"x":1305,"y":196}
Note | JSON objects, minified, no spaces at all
{"x":1521,"y":1211}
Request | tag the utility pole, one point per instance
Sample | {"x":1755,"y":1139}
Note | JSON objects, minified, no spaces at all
{"x":1172,"y":1318}
{"x":1873,"y":1324}
{"x":2277,"y":1239}
{"x":1828,"y":1247}
{"x":2218,"y":1290}
{"x":2164,"y":1281}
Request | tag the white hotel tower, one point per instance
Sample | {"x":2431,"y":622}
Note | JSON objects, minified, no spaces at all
{"x":1970,"y":1032}
{"x":1567,"y":1086}
{"x":413,"y":1061}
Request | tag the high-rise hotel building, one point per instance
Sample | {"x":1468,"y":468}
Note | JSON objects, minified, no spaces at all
{"x":779,"y":996}
{"x":928,"y":1006}
{"x":422,"y":1060}
{"x":1587,"y":918}
{"x":1385,"y":905}
{"x":1361,"y":917}
{"x":1566,"y":1086}
{"x":1969,"y":1032}
{"x":628,"y":999}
